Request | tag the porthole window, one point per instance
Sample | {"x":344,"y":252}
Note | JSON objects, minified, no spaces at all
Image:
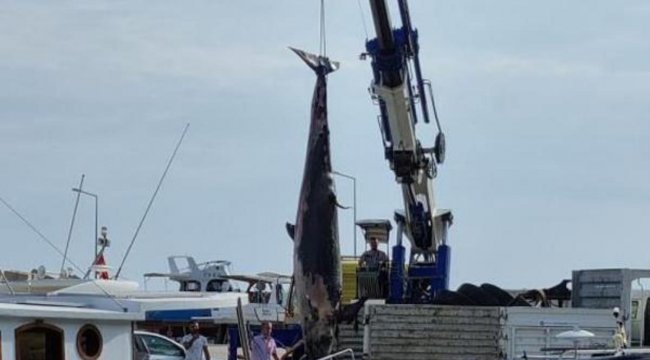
{"x":89,"y":342}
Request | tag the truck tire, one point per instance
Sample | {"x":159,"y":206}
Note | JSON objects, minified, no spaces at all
{"x":448,"y":297}
{"x":502,"y":296}
{"x":478,"y":295}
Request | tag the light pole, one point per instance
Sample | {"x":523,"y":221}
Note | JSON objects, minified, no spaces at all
{"x":354,"y":206}
{"x":96,"y":215}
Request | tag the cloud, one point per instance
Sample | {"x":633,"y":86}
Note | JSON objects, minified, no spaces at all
{"x":122,"y":44}
{"x":509,"y":64}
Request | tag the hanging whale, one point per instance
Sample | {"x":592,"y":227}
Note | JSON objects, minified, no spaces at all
{"x":317,"y":259}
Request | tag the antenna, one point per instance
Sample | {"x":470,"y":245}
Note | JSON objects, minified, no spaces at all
{"x":74,"y":215}
{"x":153,"y":197}
{"x":104,"y":243}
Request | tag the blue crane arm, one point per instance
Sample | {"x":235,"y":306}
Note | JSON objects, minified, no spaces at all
{"x":398,"y":87}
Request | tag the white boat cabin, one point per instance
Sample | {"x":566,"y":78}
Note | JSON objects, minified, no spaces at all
{"x":210,"y":276}
{"x":64,"y":331}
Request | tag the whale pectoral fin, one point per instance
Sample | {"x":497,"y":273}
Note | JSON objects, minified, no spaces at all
{"x":335,"y":201}
{"x":291,"y":230}
{"x":341,"y":206}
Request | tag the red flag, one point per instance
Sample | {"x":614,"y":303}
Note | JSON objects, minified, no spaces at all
{"x":103,"y":273}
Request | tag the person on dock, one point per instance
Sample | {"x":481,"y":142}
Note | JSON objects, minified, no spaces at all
{"x":263,"y":346}
{"x":620,"y":337}
{"x":195,"y":344}
{"x":373,"y":258}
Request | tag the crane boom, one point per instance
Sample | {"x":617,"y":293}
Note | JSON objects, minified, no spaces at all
{"x":395,"y":56}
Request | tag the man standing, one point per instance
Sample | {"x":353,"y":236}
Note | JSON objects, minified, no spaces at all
{"x":374,"y":258}
{"x":196,"y":345}
{"x":620,"y":337}
{"x":263,"y":346}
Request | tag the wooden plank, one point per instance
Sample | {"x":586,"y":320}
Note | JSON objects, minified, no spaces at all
{"x":447,"y":338}
{"x":424,"y":335}
{"x":613,"y":291}
{"x":430,"y":320}
{"x":435,"y":332}
{"x":437,"y":310}
{"x":415,"y":345}
{"x":409,"y":349}
{"x":599,"y":276}
{"x":350,"y":339}
{"x":394,"y":356}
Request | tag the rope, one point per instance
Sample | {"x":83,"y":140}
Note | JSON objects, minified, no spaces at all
{"x":363,"y":18}
{"x":40,"y":234}
{"x":323,"y":39}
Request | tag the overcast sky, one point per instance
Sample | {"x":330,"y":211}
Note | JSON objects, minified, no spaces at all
{"x":545,"y":107}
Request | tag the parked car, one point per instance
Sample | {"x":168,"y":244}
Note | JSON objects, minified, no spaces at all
{"x":152,"y":346}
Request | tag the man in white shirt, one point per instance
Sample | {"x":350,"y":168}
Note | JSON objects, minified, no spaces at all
{"x":196,"y":345}
{"x":263,"y":346}
{"x":620,"y":337}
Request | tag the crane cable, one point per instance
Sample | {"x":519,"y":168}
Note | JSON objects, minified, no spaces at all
{"x":323,"y":39}
{"x":363,"y":19}
{"x":322,"y":35}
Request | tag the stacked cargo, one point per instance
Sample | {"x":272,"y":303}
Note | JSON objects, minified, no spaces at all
{"x":349,"y":283}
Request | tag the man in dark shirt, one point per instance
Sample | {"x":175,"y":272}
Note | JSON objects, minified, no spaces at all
{"x":373,"y":258}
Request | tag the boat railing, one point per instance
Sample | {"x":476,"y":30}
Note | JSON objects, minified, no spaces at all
{"x":6,"y":282}
{"x":342,"y":352}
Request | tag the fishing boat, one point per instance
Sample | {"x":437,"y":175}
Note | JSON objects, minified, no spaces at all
{"x":49,"y":328}
{"x":264,"y":298}
{"x":158,"y":311}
